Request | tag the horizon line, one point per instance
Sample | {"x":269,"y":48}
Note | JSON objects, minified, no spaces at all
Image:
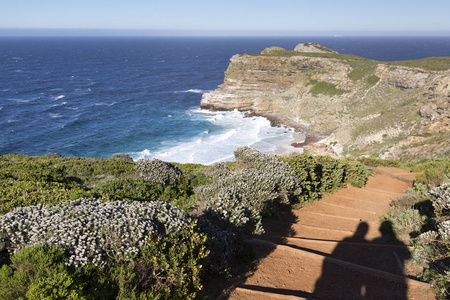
{"x":101,"y":32}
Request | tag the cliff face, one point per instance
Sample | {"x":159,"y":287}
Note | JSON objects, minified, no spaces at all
{"x":390,"y":109}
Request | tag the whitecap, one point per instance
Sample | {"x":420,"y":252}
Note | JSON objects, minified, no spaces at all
{"x":195,"y":91}
{"x":61,"y":104}
{"x":17,"y":58}
{"x":59,"y":97}
{"x":104,"y":103}
{"x":55,"y":115}
{"x":226,"y":132}
{"x":19,"y":100}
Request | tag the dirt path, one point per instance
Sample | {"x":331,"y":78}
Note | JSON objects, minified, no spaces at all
{"x":333,"y":249}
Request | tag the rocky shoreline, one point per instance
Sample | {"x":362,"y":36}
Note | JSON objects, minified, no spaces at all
{"x":352,"y":104}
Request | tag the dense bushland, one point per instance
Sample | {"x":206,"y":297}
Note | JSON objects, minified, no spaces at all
{"x":95,"y":228}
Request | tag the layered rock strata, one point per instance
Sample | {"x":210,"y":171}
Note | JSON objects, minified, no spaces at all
{"x":389,"y":109}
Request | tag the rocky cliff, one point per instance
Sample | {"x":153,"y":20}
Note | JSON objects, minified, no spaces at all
{"x":388,"y":109}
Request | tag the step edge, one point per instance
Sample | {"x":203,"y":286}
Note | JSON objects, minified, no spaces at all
{"x":272,"y":295}
{"x":359,"y":268}
{"x":346,"y":207}
{"x":401,"y":178}
{"x":334,"y":216}
{"x":318,"y":241}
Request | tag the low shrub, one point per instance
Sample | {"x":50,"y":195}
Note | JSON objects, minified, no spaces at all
{"x":25,"y":193}
{"x":304,"y":166}
{"x":89,"y":230}
{"x":441,"y":201}
{"x":425,"y":213}
{"x":255,"y":189}
{"x":230,"y":212}
{"x":168,"y":267}
{"x":378,"y":162}
{"x":52,"y":155}
{"x":433,"y":171}
{"x":275,"y":169}
{"x":157,"y":171}
{"x":330,"y":172}
{"x":122,"y":156}
{"x":38,"y":273}
{"x":354,"y":172}
{"x":129,"y":189}
{"x":405,"y":222}
{"x":412,"y":196}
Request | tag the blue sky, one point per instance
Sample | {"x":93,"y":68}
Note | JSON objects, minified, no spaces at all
{"x":230,"y":17}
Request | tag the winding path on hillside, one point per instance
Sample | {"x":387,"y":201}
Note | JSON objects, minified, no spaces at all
{"x":333,"y":249}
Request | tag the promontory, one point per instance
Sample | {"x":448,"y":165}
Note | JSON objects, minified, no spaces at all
{"x":397,"y":109}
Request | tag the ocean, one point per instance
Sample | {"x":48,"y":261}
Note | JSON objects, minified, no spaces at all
{"x":93,"y":97}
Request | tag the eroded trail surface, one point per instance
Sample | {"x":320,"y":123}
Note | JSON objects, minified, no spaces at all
{"x":333,"y":249}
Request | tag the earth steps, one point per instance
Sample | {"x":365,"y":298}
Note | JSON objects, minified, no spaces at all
{"x":334,"y":250}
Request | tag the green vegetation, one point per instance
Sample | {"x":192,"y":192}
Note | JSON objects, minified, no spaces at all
{"x":378,"y":162}
{"x":323,"y":174}
{"x":321,"y":87}
{"x":366,"y":65}
{"x":433,"y":171}
{"x":169,"y":267}
{"x":94,"y":228}
{"x":361,"y":68}
{"x":372,"y":80}
{"x":429,"y":63}
{"x":422,"y":216}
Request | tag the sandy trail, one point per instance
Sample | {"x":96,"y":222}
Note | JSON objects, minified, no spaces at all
{"x":333,"y":249}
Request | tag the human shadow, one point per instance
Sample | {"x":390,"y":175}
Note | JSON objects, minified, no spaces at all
{"x":362,"y":269}
{"x":217,"y":286}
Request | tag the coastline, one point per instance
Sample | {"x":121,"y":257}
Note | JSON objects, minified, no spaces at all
{"x":296,"y":145}
{"x":292,"y":148}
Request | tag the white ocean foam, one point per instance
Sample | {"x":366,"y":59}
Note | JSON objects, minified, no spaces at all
{"x":59,"y":97}
{"x":55,"y":115}
{"x":19,"y":100}
{"x":60,"y":104}
{"x":195,"y":91}
{"x":104,"y":103}
{"x":227,"y":132}
{"x":1,"y":107}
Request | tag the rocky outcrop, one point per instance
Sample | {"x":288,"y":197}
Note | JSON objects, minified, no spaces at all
{"x":312,"y":48}
{"x":363,"y":106}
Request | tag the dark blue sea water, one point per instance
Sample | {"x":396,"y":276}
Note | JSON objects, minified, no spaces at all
{"x":141,"y":96}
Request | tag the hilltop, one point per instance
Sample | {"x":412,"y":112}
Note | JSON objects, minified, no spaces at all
{"x":397,"y":109}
